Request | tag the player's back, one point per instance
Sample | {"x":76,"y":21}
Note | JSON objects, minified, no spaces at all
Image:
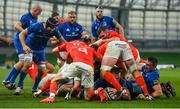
{"x":83,"y":54}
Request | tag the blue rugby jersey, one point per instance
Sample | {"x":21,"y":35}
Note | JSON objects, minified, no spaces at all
{"x":70,"y":32}
{"x":105,"y":21}
{"x":39,"y":36}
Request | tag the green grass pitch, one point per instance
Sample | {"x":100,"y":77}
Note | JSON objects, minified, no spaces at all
{"x":25,"y":100}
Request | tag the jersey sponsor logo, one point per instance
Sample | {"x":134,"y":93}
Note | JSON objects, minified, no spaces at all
{"x":67,"y":29}
{"x":77,"y":29}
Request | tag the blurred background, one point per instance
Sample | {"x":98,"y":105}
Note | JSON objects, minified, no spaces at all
{"x":153,"y":26}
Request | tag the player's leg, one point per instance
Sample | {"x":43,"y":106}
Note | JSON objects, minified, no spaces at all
{"x":109,"y":60}
{"x":24,"y":70}
{"x":131,"y":65}
{"x":16,"y":69}
{"x":64,"y":73}
{"x":50,"y":67}
{"x":40,"y":59}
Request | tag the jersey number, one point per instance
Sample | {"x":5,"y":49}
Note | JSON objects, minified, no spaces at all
{"x":84,"y":50}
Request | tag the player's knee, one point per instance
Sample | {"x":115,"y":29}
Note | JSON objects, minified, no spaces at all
{"x":105,"y":68}
{"x":19,"y":64}
{"x":131,"y":64}
{"x":25,"y":67}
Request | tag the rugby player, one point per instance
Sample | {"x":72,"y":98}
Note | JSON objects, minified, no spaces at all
{"x":107,"y":21}
{"x":82,"y":57}
{"x":151,"y":77}
{"x":36,"y":42}
{"x":115,"y":50}
{"x":26,"y":20}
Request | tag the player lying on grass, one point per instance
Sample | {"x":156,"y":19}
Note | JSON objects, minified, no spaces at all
{"x":151,"y":75}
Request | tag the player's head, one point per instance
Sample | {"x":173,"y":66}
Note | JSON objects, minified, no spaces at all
{"x":72,"y":17}
{"x":36,"y":10}
{"x":102,"y":31}
{"x":151,"y":63}
{"x":99,"y":12}
{"x":51,"y":23}
{"x":56,"y":15}
{"x":86,"y":38}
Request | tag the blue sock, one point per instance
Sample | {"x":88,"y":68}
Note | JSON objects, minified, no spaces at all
{"x":13,"y":78}
{"x":82,"y":94}
{"x":21,"y":78}
{"x":11,"y":73}
{"x":36,"y":83}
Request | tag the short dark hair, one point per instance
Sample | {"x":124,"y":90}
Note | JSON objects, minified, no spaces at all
{"x":101,"y":28}
{"x":86,"y":39}
{"x":99,"y":7}
{"x":54,"y":14}
{"x":115,"y":70}
{"x":153,"y":60}
{"x":51,"y":22}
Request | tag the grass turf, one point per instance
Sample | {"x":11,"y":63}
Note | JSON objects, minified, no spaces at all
{"x":25,"y":100}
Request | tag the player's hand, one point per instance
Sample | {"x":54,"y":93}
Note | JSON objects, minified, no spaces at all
{"x":9,"y":40}
{"x":26,"y":49}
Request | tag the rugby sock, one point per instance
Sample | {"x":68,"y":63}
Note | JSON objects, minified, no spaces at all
{"x":36,"y":83}
{"x":53,"y":87}
{"x":140,"y":81}
{"x":14,"y":76}
{"x":46,"y":85}
{"x":21,"y":78}
{"x":11,"y":73}
{"x":81,"y":95}
{"x":109,"y":77}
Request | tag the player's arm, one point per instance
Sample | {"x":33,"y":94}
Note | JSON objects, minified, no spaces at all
{"x":94,"y":34}
{"x":119,"y":28}
{"x":58,"y":49}
{"x":18,"y":26}
{"x":50,"y":67}
{"x":6,"y":39}
{"x":57,"y":38}
{"x":102,"y":41}
{"x":154,"y":78}
{"x":157,"y":90}
{"x":22,"y":37}
{"x":61,"y":40}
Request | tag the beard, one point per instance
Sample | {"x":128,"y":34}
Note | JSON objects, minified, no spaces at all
{"x":98,"y":17}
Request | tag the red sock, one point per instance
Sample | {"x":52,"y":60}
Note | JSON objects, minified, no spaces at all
{"x":140,"y":81}
{"x":53,"y":87}
{"x":109,"y":77}
{"x":46,"y":85}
